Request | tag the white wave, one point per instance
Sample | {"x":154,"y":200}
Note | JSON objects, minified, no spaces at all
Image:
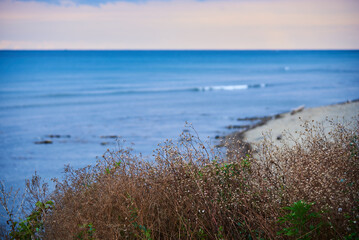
{"x":231,"y":87}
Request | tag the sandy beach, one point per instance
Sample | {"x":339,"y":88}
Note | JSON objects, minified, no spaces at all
{"x":291,"y":122}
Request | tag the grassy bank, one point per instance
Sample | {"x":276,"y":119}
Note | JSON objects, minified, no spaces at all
{"x":307,"y":189}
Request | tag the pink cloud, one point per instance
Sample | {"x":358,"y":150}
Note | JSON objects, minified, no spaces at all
{"x":188,"y":24}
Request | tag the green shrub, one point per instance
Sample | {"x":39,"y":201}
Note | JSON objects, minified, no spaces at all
{"x":32,"y":226}
{"x":301,"y":221}
{"x":87,"y":232}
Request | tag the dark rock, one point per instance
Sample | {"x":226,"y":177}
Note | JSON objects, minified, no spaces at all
{"x":219,"y":137}
{"x":110,"y":136}
{"x":58,"y":136}
{"x":297,"y":110}
{"x":279,"y":137}
{"x":233,"y":127}
{"x":44,"y":142}
{"x":244,"y":127}
{"x":53,"y":136}
{"x":249,"y":119}
{"x":105,"y":143}
{"x":278,"y":116}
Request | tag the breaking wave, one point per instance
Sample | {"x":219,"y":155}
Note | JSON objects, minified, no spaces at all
{"x":231,"y":87}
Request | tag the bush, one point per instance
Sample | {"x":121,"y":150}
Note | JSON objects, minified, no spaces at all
{"x":300,"y":220}
{"x":191,"y":191}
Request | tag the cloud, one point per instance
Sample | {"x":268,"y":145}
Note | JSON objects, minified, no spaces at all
{"x":83,"y":2}
{"x":181,"y":24}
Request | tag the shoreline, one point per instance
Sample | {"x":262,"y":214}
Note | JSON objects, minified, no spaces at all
{"x":290,"y":122}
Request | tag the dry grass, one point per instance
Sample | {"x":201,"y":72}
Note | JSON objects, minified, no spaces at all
{"x":192,"y":192}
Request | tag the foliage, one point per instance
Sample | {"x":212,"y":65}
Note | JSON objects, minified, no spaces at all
{"x":300,"y":221}
{"x":192,"y":191}
{"x":32,"y":226}
{"x":87,"y":232}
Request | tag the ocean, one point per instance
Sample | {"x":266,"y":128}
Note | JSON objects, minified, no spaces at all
{"x":81,"y":100}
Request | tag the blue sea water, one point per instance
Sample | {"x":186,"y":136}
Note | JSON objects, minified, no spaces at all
{"x":147,"y":96}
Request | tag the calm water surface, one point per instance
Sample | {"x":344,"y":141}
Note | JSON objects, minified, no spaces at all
{"x":147,"y":96}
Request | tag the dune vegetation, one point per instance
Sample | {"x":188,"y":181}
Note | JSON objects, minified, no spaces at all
{"x":307,"y":189}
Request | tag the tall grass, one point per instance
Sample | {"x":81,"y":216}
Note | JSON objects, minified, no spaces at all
{"x":307,"y":189}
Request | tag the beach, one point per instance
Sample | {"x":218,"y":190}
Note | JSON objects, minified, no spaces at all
{"x":290,"y":124}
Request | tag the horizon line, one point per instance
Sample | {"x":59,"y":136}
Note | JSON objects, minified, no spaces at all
{"x":259,"y":49}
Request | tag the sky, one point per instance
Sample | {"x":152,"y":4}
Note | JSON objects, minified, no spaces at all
{"x":179,"y":24}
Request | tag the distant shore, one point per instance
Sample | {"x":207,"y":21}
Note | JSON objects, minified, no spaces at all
{"x":291,"y":122}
